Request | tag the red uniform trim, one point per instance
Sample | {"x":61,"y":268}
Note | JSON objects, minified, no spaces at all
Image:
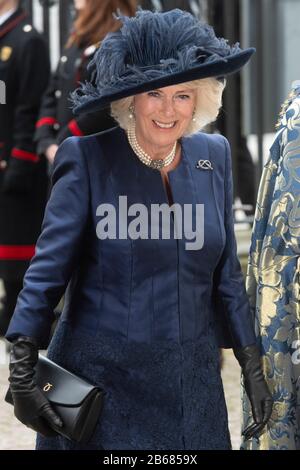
{"x":46,"y":121}
{"x":12,"y":24}
{"x":23,"y":155}
{"x":74,"y":128}
{"x":17,"y":252}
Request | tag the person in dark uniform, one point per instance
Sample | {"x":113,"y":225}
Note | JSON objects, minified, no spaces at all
{"x":244,"y":166}
{"x":24,"y":69}
{"x":56,"y":121}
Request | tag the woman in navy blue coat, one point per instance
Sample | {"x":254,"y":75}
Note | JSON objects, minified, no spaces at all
{"x":139,"y":229}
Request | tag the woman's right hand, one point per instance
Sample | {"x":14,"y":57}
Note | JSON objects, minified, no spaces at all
{"x":31,"y":407}
{"x":51,"y":152}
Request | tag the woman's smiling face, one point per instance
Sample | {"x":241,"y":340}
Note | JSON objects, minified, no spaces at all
{"x":163,"y":115}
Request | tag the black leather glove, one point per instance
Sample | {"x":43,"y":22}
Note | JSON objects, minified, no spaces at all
{"x":31,"y":407}
{"x":256,"y":388}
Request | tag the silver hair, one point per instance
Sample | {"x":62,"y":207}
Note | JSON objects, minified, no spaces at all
{"x":208,"y":104}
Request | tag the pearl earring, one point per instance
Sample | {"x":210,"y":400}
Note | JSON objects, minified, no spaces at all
{"x":193,"y":118}
{"x":131,"y":112}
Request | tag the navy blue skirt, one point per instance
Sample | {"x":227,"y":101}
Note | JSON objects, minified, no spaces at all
{"x":159,"y":396}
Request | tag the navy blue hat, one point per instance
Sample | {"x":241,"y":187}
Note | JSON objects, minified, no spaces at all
{"x":154,"y":50}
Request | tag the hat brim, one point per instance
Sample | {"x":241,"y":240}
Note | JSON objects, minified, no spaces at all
{"x":216,"y":68}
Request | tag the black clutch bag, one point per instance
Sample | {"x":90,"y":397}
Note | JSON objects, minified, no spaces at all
{"x":77,"y":402}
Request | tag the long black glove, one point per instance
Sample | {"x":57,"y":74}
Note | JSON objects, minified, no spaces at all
{"x":31,"y":407}
{"x":256,"y":388}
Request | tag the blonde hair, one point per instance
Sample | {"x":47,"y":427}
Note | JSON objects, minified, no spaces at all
{"x":208,"y":104}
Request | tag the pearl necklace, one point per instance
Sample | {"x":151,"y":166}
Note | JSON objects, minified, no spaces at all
{"x":143,"y":156}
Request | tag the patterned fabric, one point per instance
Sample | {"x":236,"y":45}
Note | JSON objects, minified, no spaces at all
{"x":273,"y":280}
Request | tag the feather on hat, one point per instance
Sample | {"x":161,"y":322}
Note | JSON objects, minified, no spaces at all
{"x":153,"y":50}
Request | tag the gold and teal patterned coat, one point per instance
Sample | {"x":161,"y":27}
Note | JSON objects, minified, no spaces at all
{"x":273,"y":281}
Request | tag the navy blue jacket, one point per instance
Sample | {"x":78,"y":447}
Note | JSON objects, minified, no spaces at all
{"x":142,"y":290}
{"x":142,"y":316}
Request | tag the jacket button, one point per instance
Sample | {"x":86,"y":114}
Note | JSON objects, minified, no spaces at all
{"x":64,"y":58}
{"x":57,"y":93}
{"x":27,"y":28}
{"x":3,"y":164}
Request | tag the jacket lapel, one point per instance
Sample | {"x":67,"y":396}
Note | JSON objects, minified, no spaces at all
{"x":12,"y":22}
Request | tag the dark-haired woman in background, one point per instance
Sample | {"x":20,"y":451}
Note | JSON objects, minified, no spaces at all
{"x":56,"y":121}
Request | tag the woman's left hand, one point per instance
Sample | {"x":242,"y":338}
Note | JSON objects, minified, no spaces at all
{"x":256,"y":388}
